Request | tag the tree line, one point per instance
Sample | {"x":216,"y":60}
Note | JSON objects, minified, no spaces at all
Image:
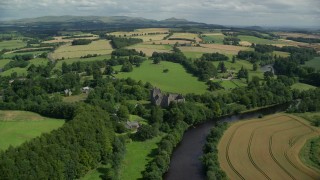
{"x":66,"y":153}
{"x":210,"y":153}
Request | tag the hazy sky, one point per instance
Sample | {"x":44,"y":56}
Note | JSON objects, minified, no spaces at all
{"x":225,"y":12}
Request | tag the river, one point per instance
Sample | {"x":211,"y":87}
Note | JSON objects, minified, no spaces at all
{"x":185,"y":163}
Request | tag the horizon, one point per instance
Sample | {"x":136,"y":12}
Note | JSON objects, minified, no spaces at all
{"x":314,"y":27}
{"x":283,"y":13}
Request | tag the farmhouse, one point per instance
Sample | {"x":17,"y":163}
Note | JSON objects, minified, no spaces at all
{"x":132,"y":125}
{"x":164,"y":100}
{"x":86,"y":89}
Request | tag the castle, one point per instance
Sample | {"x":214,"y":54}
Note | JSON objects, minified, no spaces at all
{"x":164,"y":100}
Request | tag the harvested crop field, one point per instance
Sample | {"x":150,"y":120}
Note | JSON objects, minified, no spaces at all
{"x":288,"y":34}
{"x":190,"y":36}
{"x":266,"y":148}
{"x":212,"y":48}
{"x":99,"y":47}
{"x":148,"y":49}
{"x":169,"y":42}
{"x":59,"y":39}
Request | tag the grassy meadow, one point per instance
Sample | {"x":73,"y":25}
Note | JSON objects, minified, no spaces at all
{"x":12,"y":44}
{"x":176,"y":80}
{"x":280,"y":53}
{"x":137,"y":157}
{"x":3,"y":62}
{"x":17,"y":127}
{"x":11,"y":55}
{"x":216,"y":37}
{"x":72,"y":60}
{"x":302,"y":86}
{"x":193,"y":55}
{"x":238,"y":65}
{"x":315,"y":63}
{"x":95,"y":47}
{"x":23,"y":71}
{"x":75,"y":98}
{"x":134,"y":162}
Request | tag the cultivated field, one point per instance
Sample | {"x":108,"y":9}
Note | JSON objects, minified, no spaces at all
{"x":141,"y":32}
{"x":147,"y":35}
{"x":17,"y":127}
{"x":169,"y":42}
{"x":266,"y":148}
{"x":216,"y":37}
{"x":190,"y":36}
{"x":148,"y":49}
{"x":256,"y":40}
{"x":59,"y":39}
{"x":288,"y":34}
{"x":12,"y":44}
{"x":225,"y":49}
{"x":176,"y":80}
{"x":96,"y":47}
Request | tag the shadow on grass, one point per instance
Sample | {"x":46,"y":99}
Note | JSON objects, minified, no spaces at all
{"x":103,"y":171}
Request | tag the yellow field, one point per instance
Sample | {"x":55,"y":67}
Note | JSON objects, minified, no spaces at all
{"x":143,"y":34}
{"x":212,"y":48}
{"x":267,"y":148}
{"x":171,"y":42}
{"x":287,"y":34}
{"x":96,"y":47}
{"x":58,"y":39}
{"x":148,"y":49}
{"x":190,"y":36}
{"x":153,"y":30}
{"x":245,"y":43}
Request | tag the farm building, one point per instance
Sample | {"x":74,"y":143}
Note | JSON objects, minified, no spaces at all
{"x":132,"y":125}
{"x":164,"y":100}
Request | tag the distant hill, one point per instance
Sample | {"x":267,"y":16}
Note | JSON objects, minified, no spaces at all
{"x":99,"y":22}
{"x":72,"y":19}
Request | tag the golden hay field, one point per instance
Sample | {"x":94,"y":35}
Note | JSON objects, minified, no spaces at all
{"x":212,"y":48}
{"x":148,"y":49}
{"x":245,"y":43}
{"x":144,"y":34}
{"x":267,"y":148}
{"x":288,"y":34}
{"x":100,"y":47}
{"x":171,"y":42}
{"x":59,"y":39}
{"x":190,"y":36}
